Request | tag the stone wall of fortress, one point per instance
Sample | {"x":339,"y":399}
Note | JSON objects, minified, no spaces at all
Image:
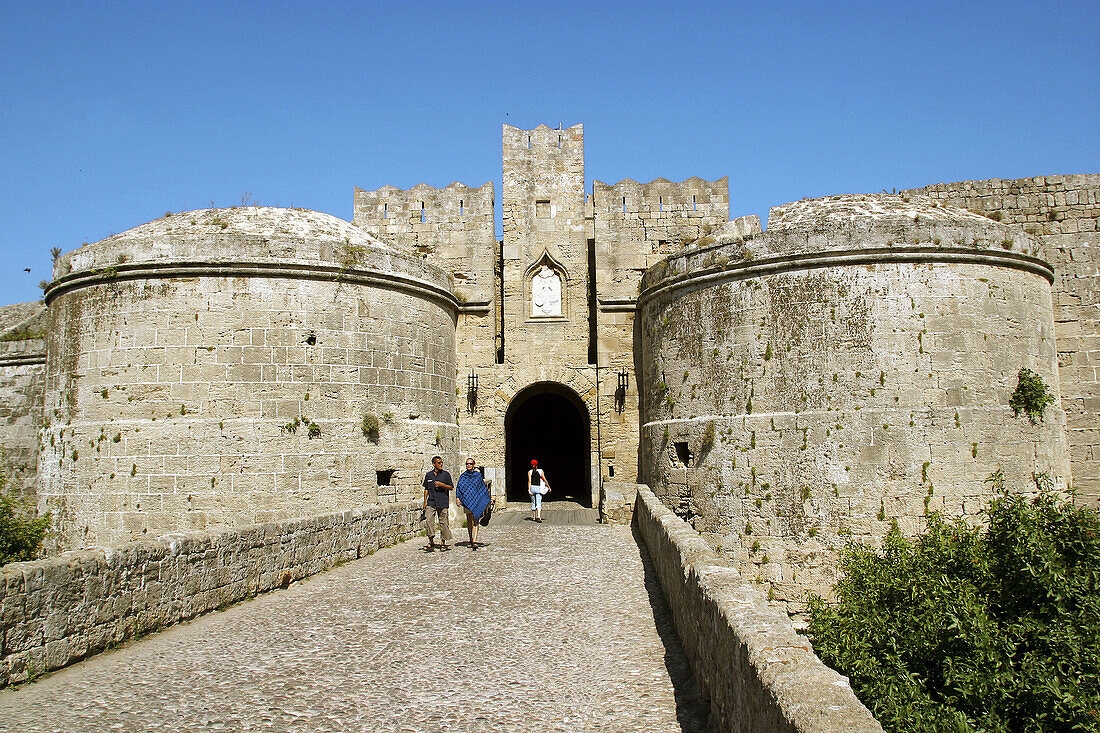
{"x":1064,"y":213}
{"x":22,"y":371}
{"x":784,"y":390}
{"x":214,"y":368}
{"x":849,"y":368}
{"x":632,"y":226}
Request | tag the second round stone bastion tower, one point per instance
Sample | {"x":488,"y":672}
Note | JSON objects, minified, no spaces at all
{"x":847,"y":370}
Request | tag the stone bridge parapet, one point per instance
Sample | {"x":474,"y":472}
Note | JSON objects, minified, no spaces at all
{"x":758,"y":672}
{"x":57,"y":611}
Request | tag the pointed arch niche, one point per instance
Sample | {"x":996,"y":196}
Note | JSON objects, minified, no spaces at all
{"x":546,"y":284}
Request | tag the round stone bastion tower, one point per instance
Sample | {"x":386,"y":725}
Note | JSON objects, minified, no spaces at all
{"x":848,"y":369}
{"x":230,"y":366}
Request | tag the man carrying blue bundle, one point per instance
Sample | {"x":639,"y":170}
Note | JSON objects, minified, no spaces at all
{"x":473,"y":496}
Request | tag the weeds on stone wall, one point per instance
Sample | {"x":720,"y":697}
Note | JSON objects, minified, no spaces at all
{"x":1031,"y":396}
{"x":370,"y":427}
{"x":313,"y":430}
{"x":964,"y":628}
{"x":23,"y":334}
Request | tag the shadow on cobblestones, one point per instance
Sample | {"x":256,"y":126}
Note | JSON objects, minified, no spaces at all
{"x":692,"y":709}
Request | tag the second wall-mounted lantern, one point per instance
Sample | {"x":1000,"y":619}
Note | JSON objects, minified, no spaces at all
{"x":620,"y":392}
{"x":471,"y":392}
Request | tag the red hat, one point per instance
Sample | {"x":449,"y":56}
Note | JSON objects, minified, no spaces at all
{"x":534,"y":463}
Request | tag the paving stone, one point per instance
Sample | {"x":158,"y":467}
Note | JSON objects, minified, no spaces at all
{"x":548,"y":627}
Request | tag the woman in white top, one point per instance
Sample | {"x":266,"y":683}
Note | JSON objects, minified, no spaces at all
{"x":536,"y":487}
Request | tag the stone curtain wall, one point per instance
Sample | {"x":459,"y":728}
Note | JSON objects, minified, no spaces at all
{"x":850,"y":367}
{"x":457,"y":234}
{"x":214,"y":368}
{"x":1064,"y":213}
{"x":634,"y":225}
{"x":637,"y":224}
{"x":22,"y":370}
{"x":57,"y":611}
{"x":758,"y":672}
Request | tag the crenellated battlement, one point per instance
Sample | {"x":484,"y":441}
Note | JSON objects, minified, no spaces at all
{"x":637,"y":224}
{"x":543,"y":139}
{"x":454,"y":226}
{"x":422,"y":204}
{"x":690,"y":198}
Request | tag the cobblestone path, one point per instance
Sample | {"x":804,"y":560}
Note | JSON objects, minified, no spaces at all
{"x":546,"y":628}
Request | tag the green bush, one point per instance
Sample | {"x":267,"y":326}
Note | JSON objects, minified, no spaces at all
{"x":370,"y":427}
{"x":21,"y":531}
{"x":974,"y":629}
{"x":1031,"y":396}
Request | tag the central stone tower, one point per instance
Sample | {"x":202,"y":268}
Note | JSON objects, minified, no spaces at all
{"x":546,"y":299}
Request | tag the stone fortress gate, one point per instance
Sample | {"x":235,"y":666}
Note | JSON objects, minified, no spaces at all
{"x":783,"y":390}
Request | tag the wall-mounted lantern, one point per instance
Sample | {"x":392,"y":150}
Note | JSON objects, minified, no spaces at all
{"x":471,"y":392}
{"x":620,"y":393}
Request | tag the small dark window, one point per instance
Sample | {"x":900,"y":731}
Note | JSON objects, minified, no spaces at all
{"x":423,"y":215}
{"x":385,"y":478}
{"x":611,"y":472}
{"x":385,"y":211}
{"x":542,"y":209}
{"x":694,"y":207}
{"x":683,"y":453}
{"x":461,"y":207}
{"x":624,"y":204}
{"x":311,"y":339}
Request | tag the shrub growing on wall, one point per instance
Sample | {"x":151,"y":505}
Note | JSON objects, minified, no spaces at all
{"x":1031,"y":396}
{"x":21,"y":530}
{"x":974,"y":629}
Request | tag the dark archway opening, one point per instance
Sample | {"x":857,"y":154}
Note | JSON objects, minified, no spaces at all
{"x":549,"y":422}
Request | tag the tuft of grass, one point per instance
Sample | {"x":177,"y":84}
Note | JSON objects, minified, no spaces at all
{"x":370,"y":427}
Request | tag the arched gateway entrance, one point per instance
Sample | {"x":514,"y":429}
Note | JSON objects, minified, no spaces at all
{"x":548,"y":421}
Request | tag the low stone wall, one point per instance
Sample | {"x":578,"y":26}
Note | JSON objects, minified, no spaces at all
{"x":57,"y":611}
{"x":759,"y":673}
{"x":617,"y":501}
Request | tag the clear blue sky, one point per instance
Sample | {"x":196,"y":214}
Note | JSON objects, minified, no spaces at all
{"x":112,"y":113}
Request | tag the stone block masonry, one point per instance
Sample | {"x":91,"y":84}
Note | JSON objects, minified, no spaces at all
{"x":758,"y":672}
{"x":453,"y":227}
{"x":847,"y":369}
{"x":215,"y":368}
{"x":22,"y":375}
{"x":22,"y":372}
{"x":57,"y":611}
{"x":1063,"y":212}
